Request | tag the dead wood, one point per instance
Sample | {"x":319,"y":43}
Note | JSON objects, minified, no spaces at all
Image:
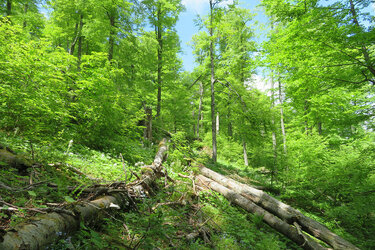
{"x":45,"y":229}
{"x":9,"y":159}
{"x":281,"y":209}
{"x":283,"y":227}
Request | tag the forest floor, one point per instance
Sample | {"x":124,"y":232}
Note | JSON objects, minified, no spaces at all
{"x":175,"y":216}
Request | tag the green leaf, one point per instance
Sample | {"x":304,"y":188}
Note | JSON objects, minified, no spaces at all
{"x":69,"y":199}
{"x":31,"y":193}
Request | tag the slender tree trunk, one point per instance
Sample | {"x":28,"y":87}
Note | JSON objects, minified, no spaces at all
{"x":25,"y":9}
{"x":75,"y":39}
{"x":147,"y":131}
{"x":306,"y":107}
{"x":213,"y":120}
{"x":9,"y":8}
{"x":320,"y":131}
{"x":274,"y":142}
{"x":217,"y":123}
{"x":200,"y":106}
{"x":245,"y":159}
{"x":365,"y":53}
{"x":229,"y":118}
{"x":79,"y":52}
{"x":282,"y":118}
{"x":111,"y":40}
{"x":149,"y":124}
{"x":160,"y":60}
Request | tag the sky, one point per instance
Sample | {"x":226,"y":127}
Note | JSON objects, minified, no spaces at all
{"x":186,"y":27}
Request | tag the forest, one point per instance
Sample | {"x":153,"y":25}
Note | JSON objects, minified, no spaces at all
{"x":108,"y":142}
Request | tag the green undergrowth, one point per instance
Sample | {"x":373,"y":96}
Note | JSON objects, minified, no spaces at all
{"x":176,"y":218}
{"x":58,"y":165}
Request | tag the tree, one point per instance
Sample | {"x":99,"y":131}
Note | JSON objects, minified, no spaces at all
{"x":162,"y":15}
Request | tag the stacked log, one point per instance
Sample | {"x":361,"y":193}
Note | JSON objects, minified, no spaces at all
{"x":45,"y":229}
{"x":277,"y":214}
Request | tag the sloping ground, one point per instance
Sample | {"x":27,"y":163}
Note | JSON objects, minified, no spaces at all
{"x":168,"y":214}
{"x":149,"y":212}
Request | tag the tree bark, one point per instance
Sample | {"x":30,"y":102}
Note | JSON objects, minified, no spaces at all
{"x":47,"y":228}
{"x":200,"y":106}
{"x":74,"y":42}
{"x":282,"y":118}
{"x":217,"y":123}
{"x":213,"y":120}
{"x":245,"y":154}
{"x":305,"y":113}
{"x":25,"y":9}
{"x":79,"y":52}
{"x":9,"y":8}
{"x":111,"y":40}
{"x":291,"y":232}
{"x":159,"y":38}
{"x":281,"y":209}
{"x":147,"y":133}
{"x":274,"y":142}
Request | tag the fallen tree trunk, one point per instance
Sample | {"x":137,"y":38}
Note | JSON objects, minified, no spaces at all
{"x":46,"y":229}
{"x":281,"y":209}
{"x":283,"y":227}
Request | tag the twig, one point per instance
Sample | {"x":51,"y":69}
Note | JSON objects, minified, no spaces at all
{"x":15,"y":208}
{"x":169,"y":203}
{"x":123,"y":166}
{"x":127,"y":231}
{"x":300,"y":233}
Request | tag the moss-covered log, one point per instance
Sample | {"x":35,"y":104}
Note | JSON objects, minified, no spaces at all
{"x":282,"y":210}
{"x":9,"y":159}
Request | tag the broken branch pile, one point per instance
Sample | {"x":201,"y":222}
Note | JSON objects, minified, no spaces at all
{"x":45,"y":229}
{"x":278,"y":215}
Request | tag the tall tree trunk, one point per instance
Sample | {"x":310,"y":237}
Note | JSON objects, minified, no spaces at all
{"x":305,"y":112}
{"x":274,"y":142}
{"x":282,"y":125}
{"x":320,"y":131}
{"x":245,"y":159}
{"x":365,"y":53}
{"x":79,"y":52}
{"x":217,"y":123}
{"x":111,"y":40}
{"x":147,"y":132}
{"x":282,"y":118}
{"x":75,"y":39}
{"x":213,"y":120}
{"x":25,"y":9}
{"x":160,"y":59}
{"x":200,"y":106}
{"x":9,"y":8}
{"x":229,"y":118}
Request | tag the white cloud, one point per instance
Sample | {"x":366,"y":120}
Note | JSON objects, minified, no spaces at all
{"x":226,"y":2}
{"x":200,"y":6}
{"x":196,"y":6}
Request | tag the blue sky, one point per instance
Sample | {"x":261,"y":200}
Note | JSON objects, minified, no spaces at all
{"x":186,"y":28}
